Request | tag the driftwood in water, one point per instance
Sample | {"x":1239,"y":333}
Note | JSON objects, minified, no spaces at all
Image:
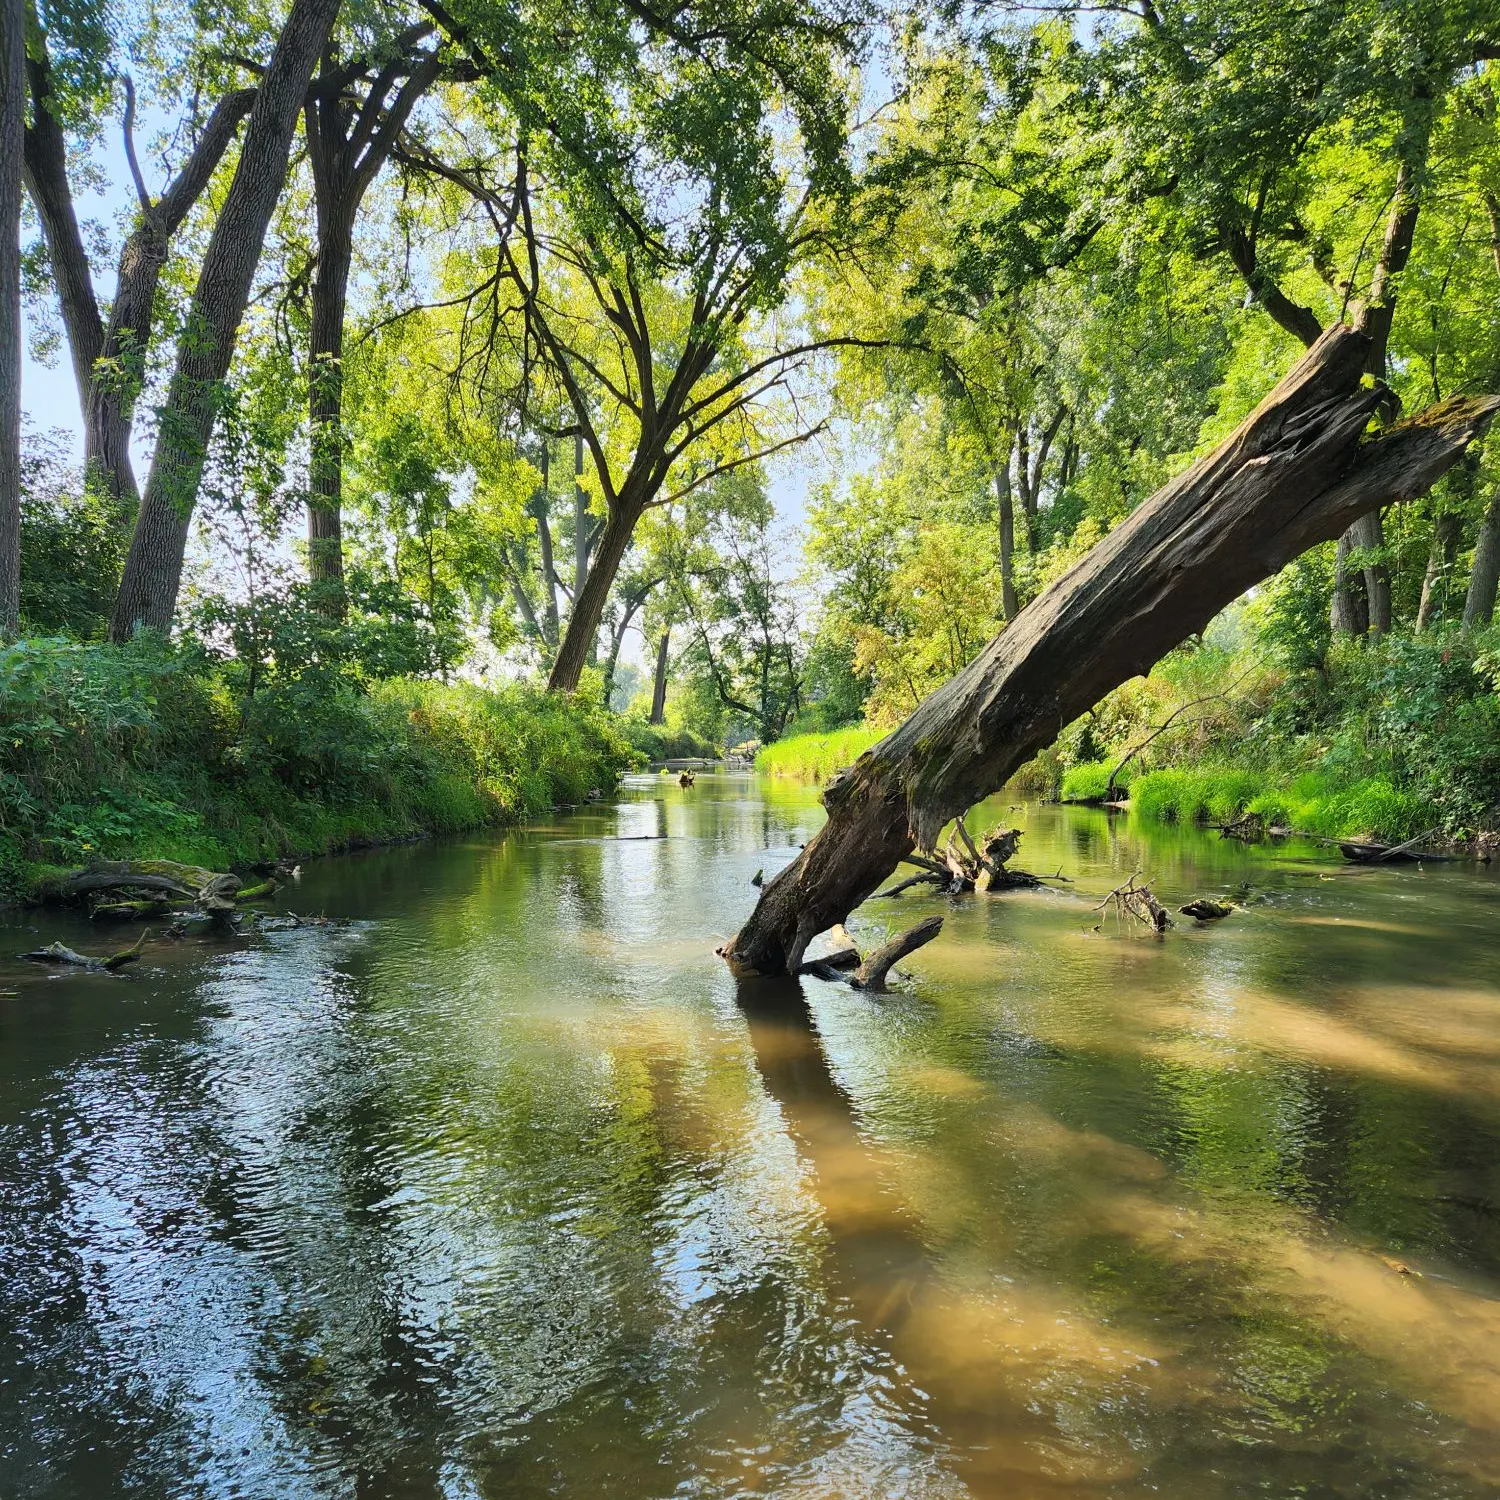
{"x":1295,"y":472}
{"x":870,"y":975}
{"x":123,"y":890}
{"x":1138,"y":901}
{"x":1369,"y":853}
{"x":57,"y":953}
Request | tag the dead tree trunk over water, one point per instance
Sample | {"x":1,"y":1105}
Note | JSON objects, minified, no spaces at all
{"x":1297,"y":471}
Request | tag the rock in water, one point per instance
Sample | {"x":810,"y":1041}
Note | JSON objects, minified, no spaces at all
{"x":1204,"y":910}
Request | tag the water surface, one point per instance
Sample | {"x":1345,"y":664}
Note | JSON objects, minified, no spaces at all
{"x":508,"y":1189}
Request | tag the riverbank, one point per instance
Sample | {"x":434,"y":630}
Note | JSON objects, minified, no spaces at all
{"x":150,"y":751}
{"x":1374,"y":740}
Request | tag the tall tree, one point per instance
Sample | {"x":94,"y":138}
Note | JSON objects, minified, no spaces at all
{"x":153,"y":566}
{"x":12,"y":129}
{"x":349,"y":139}
{"x":109,"y":353}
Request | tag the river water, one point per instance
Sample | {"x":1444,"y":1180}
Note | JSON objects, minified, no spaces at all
{"x":507,"y":1189}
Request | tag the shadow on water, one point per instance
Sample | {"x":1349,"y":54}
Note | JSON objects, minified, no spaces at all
{"x":509,"y":1190}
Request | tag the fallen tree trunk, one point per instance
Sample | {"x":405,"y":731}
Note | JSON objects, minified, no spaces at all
{"x":1296,"y":472}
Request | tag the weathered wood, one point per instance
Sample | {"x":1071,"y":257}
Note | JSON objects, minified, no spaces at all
{"x":870,"y":975}
{"x":1296,"y":472}
{"x":59,"y":953}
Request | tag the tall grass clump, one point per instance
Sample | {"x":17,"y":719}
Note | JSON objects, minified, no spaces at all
{"x":815,"y":757}
{"x":1089,"y":781}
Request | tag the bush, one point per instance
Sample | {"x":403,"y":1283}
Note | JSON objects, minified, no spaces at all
{"x":658,"y":742}
{"x":152,"y":750}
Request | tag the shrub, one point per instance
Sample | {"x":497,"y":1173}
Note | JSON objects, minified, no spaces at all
{"x":658,"y":742}
{"x":152,"y":750}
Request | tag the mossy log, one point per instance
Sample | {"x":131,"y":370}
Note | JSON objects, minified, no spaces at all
{"x":164,"y":876}
{"x":1297,"y":471}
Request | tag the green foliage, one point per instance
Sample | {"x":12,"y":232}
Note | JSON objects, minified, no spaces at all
{"x":659,"y":742}
{"x":815,"y":757}
{"x":151,"y":750}
{"x":1089,"y":781}
{"x":72,"y":546}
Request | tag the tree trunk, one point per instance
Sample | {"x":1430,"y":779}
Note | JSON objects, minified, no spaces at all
{"x":1296,"y":472}
{"x":659,"y":687}
{"x":1006,"y":507}
{"x":153,"y":567}
{"x":325,"y":514}
{"x":1479,"y":606}
{"x":109,"y":362}
{"x":617,"y":639}
{"x":46,"y":174}
{"x":588,"y":604}
{"x":583,"y":524}
{"x":1348,"y":613}
{"x":1447,"y":532}
{"x":12,"y":132}
{"x":1367,"y":533}
{"x":543,"y":508}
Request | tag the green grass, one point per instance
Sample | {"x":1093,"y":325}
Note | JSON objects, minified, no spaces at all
{"x":1088,"y":782}
{"x":815,"y":757}
{"x":1313,"y":803}
{"x":146,"y":751}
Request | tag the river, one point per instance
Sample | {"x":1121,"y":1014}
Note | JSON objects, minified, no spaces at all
{"x":506,"y":1188}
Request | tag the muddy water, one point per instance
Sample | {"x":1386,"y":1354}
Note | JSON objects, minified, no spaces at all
{"x":507,"y":1189}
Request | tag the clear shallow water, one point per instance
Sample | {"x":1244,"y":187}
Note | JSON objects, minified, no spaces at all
{"x":509,"y":1189}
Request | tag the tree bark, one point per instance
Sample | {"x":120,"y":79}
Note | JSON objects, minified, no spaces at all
{"x":1296,"y":472}
{"x":588,"y":604}
{"x":109,"y":360}
{"x":659,"y":687}
{"x":12,"y":131}
{"x":1447,"y":532}
{"x":1005,"y":504}
{"x":1348,"y":612}
{"x":325,"y":399}
{"x":1368,"y":534}
{"x":153,"y":567}
{"x":1484,"y":578}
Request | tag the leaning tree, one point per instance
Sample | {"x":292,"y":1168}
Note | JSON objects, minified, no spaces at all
{"x":1297,"y":471}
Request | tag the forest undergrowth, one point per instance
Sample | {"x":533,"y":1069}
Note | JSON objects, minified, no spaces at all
{"x":163,"y":751}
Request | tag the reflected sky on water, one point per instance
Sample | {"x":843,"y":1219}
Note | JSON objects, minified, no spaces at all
{"x":507,"y":1188}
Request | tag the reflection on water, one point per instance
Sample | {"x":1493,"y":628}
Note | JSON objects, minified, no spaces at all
{"x":508,"y":1188}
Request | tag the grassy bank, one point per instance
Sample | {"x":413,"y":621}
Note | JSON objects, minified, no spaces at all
{"x":157,"y":752}
{"x":1311,"y":803}
{"x":657,"y":742}
{"x":1377,"y":739}
{"x":815,"y":757}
